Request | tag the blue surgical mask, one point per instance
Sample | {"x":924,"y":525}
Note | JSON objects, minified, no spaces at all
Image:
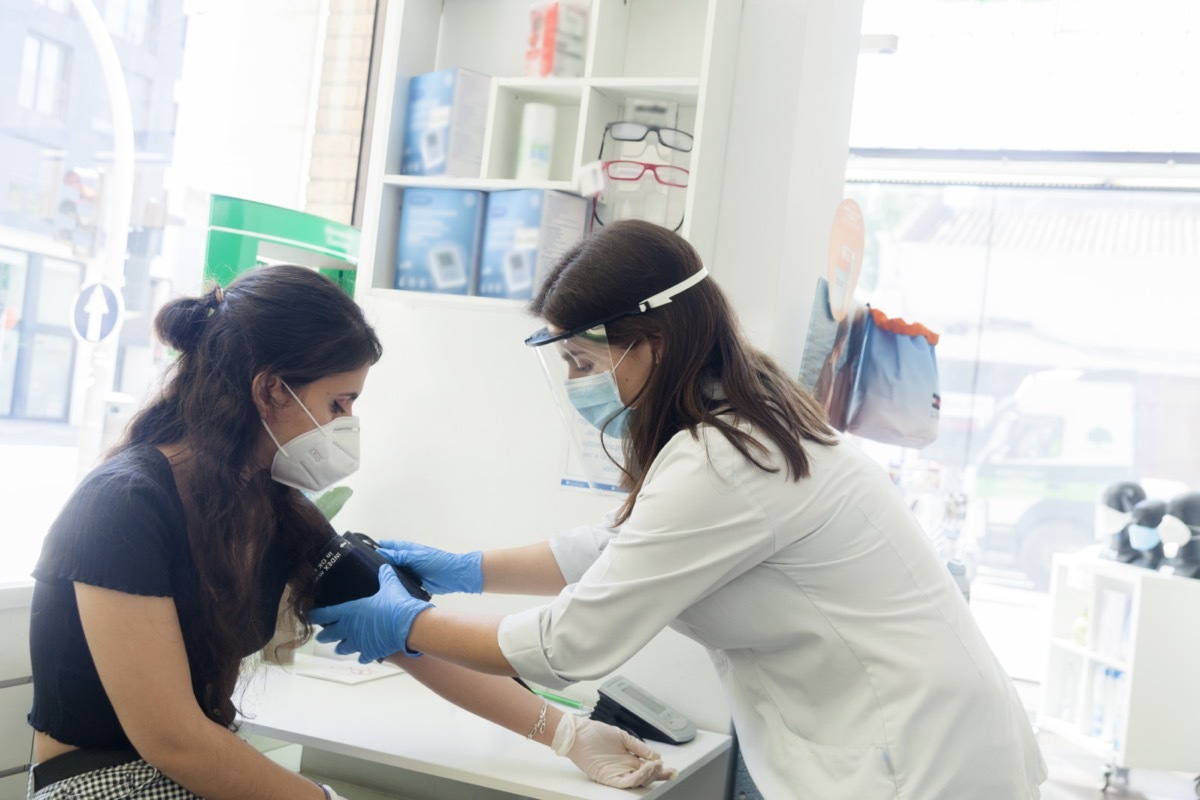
{"x":598,"y":400}
{"x":1143,"y":538}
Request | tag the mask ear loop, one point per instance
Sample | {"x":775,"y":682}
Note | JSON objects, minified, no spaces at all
{"x":619,"y":360}
{"x":303,"y":408}
{"x":278,"y":446}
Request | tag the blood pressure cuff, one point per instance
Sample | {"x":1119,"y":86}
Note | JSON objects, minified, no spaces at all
{"x":348,"y":569}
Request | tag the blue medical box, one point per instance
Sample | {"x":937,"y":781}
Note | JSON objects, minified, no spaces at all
{"x":444,"y":124}
{"x":437,"y":247}
{"x":527,"y":230}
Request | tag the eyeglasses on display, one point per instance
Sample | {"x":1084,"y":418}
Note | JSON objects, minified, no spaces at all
{"x":665,"y":174}
{"x":637,"y":131}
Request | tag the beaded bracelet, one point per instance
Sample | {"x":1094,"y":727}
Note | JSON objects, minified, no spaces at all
{"x":540,"y":725}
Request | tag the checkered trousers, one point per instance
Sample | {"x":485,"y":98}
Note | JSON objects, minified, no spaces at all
{"x":136,"y":780}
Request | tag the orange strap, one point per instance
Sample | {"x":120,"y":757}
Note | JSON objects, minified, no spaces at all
{"x":899,"y":326}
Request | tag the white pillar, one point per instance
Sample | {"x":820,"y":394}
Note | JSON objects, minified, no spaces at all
{"x":786,"y":162}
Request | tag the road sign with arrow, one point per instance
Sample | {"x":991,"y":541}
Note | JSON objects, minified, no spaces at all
{"x":97,"y":312}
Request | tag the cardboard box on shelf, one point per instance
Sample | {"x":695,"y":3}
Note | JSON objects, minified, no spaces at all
{"x":438,"y":244}
{"x":445,"y":122}
{"x":557,"y":39}
{"x":526,"y":231}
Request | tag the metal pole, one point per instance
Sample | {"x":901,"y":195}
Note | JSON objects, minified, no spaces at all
{"x":118,"y":205}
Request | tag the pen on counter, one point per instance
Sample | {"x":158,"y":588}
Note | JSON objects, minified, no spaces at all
{"x":562,"y":701}
{"x":554,"y":698}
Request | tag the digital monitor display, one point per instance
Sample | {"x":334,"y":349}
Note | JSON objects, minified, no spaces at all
{"x":644,"y":700}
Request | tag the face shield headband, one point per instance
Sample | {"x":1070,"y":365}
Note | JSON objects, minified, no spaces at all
{"x":546,"y":336}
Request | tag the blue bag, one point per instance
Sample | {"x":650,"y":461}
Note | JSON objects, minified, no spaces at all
{"x":895,"y":398}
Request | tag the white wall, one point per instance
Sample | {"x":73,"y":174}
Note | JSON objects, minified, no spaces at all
{"x":462,"y":445}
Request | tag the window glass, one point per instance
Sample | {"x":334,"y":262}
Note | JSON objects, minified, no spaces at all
{"x":42,"y":83}
{"x":260,"y":101}
{"x":50,"y":375}
{"x":13,"y":270}
{"x":59,"y":279}
{"x":1037,"y":205}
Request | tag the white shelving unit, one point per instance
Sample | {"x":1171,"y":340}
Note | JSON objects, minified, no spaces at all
{"x":1122,"y":663}
{"x":16,"y":689}
{"x":677,"y":50}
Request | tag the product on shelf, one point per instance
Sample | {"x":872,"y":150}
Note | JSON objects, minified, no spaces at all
{"x":438,"y":244}
{"x":526,"y":231}
{"x":558,"y":32}
{"x":536,"y":145}
{"x":445,"y":123}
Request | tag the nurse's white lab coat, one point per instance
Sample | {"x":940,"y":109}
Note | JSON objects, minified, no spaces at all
{"x":852,"y":663}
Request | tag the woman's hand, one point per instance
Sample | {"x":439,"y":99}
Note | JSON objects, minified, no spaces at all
{"x":439,"y":571}
{"x":374,"y":627}
{"x":607,"y":754}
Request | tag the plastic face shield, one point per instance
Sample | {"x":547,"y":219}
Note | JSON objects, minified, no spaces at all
{"x":579,"y":370}
{"x":579,"y":365}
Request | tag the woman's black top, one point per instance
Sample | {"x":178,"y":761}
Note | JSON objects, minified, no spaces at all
{"x":124,"y":529}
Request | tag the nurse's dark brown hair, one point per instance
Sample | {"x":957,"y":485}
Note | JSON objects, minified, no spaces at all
{"x":705,"y":371}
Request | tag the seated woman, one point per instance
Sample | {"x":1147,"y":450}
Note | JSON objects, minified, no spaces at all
{"x":168,"y":564}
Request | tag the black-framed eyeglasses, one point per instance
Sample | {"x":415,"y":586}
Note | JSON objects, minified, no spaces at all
{"x":545,"y":336}
{"x":673,"y":138}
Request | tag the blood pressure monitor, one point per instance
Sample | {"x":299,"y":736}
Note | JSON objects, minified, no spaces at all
{"x":633,"y":709}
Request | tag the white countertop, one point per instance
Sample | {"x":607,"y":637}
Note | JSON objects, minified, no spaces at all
{"x":396,"y":721}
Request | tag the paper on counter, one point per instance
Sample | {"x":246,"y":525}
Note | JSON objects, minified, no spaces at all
{"x":347,"y":671}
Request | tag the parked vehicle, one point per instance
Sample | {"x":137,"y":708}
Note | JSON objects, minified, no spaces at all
{"x":1057,"y":442}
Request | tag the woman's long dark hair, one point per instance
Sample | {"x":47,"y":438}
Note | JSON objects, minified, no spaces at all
{"x":288,"y":321}
{"x":705,"y":367}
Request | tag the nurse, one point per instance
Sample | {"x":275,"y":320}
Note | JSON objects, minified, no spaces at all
{"x":851,"y":662}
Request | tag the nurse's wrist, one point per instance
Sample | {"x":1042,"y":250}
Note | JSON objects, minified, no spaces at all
{"x":412,"y":646}
{"x":554,"y":718}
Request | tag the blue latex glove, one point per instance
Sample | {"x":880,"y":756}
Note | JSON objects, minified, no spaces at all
{"x":375,"y":626}
{"x":440,"y":572}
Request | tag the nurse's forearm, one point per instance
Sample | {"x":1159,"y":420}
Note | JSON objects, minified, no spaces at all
{"x":492,"y":697}
{"x":522,"y":570}
{"x":466,"y":639}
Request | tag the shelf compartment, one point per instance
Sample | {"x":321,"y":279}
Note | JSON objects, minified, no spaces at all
{"x":508,"y":104}
{"x":605,"y":102}
{"x":489,"y":37}
{"x":1070,"y":618}
{"x":1112,"y":621}
{"x":1062,"y":692}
